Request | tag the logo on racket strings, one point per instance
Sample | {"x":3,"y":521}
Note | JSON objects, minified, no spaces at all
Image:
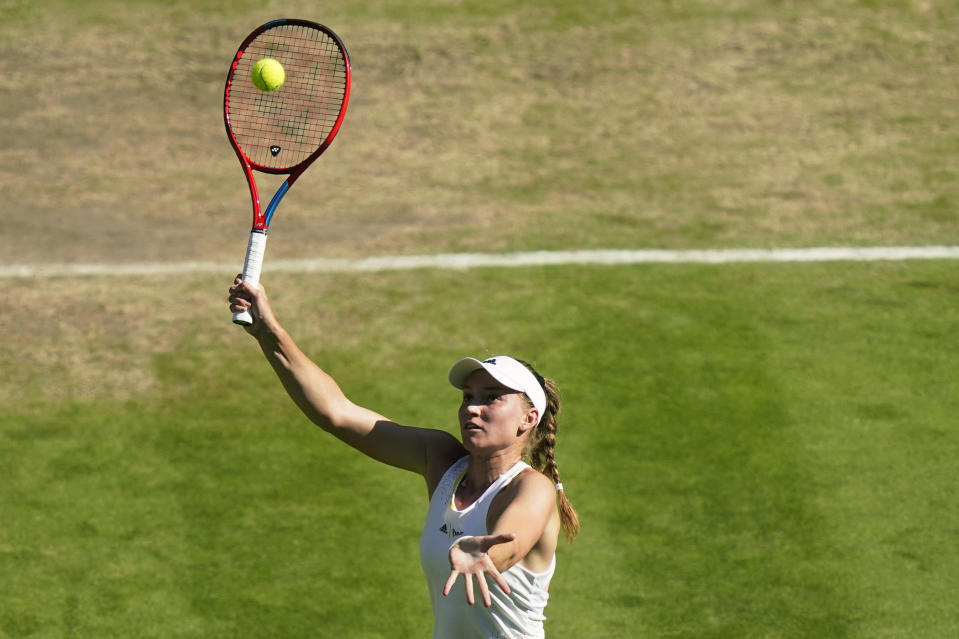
{"x":275,"y":150}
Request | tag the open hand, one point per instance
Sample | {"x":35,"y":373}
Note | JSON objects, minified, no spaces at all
{"x":468,"y":556}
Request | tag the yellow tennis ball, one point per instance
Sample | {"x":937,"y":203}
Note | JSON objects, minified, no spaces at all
{"x":267,"y":74}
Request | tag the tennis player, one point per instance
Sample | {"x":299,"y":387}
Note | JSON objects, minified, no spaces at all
{"x":492,"y":516}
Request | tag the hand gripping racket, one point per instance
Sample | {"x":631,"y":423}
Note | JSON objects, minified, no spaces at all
{"x":283,"y":131}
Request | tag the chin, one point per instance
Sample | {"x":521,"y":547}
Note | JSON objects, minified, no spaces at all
{"x":473,"y":440}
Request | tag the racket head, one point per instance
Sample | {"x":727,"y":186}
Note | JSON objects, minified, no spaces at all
{"x":284,"y":130}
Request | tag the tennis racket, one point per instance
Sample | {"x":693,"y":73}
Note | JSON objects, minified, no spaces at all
{"x":283,"y":131}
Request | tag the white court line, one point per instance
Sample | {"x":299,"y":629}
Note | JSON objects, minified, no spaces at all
{"x":536,"y":258}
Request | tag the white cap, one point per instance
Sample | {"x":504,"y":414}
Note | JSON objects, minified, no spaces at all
{"x":508,"y":372}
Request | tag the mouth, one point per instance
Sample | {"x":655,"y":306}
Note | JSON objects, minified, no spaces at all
{"x":470,"y":426}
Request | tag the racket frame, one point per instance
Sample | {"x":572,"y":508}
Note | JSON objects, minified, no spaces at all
{"x":256,"y":247}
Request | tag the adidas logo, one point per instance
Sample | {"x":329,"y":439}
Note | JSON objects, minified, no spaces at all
{"x":450,"y":532}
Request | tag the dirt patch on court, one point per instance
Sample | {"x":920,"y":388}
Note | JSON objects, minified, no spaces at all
{"x":534,"y":128}
{"x":531,"y":128}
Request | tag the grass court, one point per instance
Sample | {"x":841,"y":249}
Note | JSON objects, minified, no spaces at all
{"x":755,"y":450}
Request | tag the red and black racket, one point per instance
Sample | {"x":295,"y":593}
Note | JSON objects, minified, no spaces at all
{"x":284,"y":130}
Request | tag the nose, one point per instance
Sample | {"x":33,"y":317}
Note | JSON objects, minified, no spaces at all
{"x":472,"y":408}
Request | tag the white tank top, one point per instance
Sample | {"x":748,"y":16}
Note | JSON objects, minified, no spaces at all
{"x":518,"y":615}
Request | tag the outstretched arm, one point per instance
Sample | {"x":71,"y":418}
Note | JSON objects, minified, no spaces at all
{"x":523,"y":524}
{"x":320,"y":398}
{"x":525,"y":509}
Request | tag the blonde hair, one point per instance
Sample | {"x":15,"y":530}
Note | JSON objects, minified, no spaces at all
{"x":541,"y":454}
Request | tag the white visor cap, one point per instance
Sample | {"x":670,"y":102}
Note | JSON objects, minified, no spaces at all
{"x":508,"y":372}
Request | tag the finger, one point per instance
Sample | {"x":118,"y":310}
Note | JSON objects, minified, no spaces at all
{"x":484,"y":590}
{"x":500,"y":580}
{"x":450,"y":582}
{"x":469,"y":589}
{"x":503,"y":538}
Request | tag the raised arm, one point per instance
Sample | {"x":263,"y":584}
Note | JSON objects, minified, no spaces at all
{"x":424,"y":451}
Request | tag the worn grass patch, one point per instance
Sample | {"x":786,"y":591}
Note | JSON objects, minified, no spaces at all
{"x":490,"y":126}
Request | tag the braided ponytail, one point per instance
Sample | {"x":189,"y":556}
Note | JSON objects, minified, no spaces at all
{"x":540,"y":451}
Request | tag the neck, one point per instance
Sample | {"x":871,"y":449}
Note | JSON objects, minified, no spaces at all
{"x":483,"y":470}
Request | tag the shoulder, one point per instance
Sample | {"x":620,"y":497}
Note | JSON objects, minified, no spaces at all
{"x":534,"y":484}
{"x":531,"y":488}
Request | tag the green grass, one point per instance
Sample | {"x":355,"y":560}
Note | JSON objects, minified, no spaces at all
{"x":755,"y":451}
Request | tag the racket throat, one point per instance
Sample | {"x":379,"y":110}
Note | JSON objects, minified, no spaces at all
{"x":275,"y":202}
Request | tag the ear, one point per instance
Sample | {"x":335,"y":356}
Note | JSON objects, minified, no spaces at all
{"x":529,"y":420}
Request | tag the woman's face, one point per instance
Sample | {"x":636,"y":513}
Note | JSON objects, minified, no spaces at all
{"x":492,"y":416}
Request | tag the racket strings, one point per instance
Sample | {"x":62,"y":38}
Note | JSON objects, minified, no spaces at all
{"x":279,"y":129}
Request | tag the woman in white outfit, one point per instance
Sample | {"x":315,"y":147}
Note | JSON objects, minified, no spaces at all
{"x":492,"y":516}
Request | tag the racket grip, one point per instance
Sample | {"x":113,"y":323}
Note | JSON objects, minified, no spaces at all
{"x":252,"y":266}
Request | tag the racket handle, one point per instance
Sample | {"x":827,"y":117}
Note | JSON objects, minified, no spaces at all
{"x":252,"y":266}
